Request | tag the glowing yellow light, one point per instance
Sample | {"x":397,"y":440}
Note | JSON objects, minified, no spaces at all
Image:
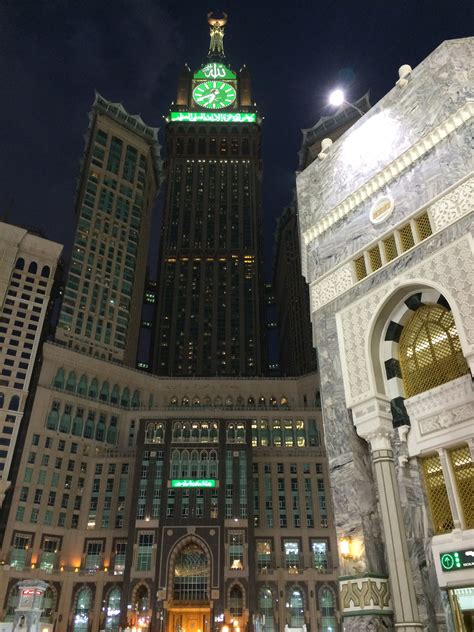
{"x":345,"y":547}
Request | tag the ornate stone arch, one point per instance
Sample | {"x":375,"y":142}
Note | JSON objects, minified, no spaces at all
{"x":384,"y":340}
{"x":176,"y":550}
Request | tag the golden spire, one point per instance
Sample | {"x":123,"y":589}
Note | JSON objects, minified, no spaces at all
{"x":216,"y":47}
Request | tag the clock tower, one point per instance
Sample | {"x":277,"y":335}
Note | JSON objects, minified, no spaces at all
{"x":209,"y":311}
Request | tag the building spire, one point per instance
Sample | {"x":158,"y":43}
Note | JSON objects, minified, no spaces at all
{"x":216,"y":47}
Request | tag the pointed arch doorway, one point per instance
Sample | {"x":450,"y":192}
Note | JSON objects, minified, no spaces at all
{"x":189,"y":606}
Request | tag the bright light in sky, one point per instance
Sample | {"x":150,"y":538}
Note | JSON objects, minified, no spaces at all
{"x":336,"y":97}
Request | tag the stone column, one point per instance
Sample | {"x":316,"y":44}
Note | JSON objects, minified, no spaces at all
{"x":373,"y":421}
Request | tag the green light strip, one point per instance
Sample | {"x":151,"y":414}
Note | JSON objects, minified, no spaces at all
{"x":200,"y":482}
{"x":214,"y":117}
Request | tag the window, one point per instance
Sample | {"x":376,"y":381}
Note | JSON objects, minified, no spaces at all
{"x":144,"y":553}
{"x":291,"y":550}
{"x":296,"y":608}
{"x":236,"y":550}
{"x":430,"y":350}
{"x":236,"y":601}
{"x":327,"y":609}
{"x":191,"y":574}
{"x":319,"y":550}
{"x":264,"y":554}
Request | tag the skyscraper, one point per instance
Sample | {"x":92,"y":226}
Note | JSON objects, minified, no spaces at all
{"x":27,"y":269}
{"x":210,"y":299}
{"x":119,"y":178}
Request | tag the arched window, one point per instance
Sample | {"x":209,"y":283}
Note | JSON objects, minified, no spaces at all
{"x":125,"y":399}
{"x":82,"y":610}
{"x":251,"y":402}
{"x":89,"y":428}
{"x":104,"y":392}
{"x":100,"y":430}
{"x":78,"y":425}
{"x":236,"y":601}
{"x":239,"y":402}
{"x":49,"y":605}
{"x":14,"y":403}
{"x":177,"y":429}
{"x":112,"y":614}
{"x":20,"y":264}
{"x":240,"y":433}
{"x":207,"y":401}
{"x":185,"y":401}
{"x":94,"y":388}
{"x":204,"y":432}
{"x":195,"y":431}
{"x":186,"y":432}
{"x":218,"y":401}
{"x":229,"y":402}
{"x":262,"y":402}
{"x":112,"y":434}
{"x":12,"y":602}
{"x":273,"y":402}
{"x":115,"y":396}
{"x":184,"y":464}
{"x":142,"y":600}
{"x":65,"y":423}
{"x":296,"y":608}
{"x":59,"y":379}
{"x":231,"y":433}
{"x":284,"y":402}
{"x":191,"y":574}
{"x":213,"y":433}
{"x":82,"y":386}
{"x":327,"y":608}
{"x":174,"y":401}
{"x":33,"y":267}
{"x":45,"y":272}
{"x":265,"y":607}
{"x":196,"y":401}
{"x":430,"y":350}
{"x":136,"y":399}
{"x":71,"y":382}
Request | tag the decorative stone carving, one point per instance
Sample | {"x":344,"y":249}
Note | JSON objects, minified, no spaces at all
{"x":331,"y":286}
{"x":391,"y":171}
{"x":367,"y":593}
{"x":453,"y":205}
{"x":446,"y":409}
{"x":449,"y":268}
{"x":444,"y":212}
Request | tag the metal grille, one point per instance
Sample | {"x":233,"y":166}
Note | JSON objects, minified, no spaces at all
{"x":361,"y":270}
{"x":437,"y":494}
{"x":463,"y":468}
{"x":423,"y":226}
{"x":375,"y":259}
{"x":390,"y":248}
{"x":430,"y":351}
{"x":406,"y":237}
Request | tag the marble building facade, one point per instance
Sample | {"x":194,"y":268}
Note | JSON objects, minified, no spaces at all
{"x":386,"y":233}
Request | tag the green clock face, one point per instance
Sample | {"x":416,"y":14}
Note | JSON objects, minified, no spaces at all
{"x":214,"y":94}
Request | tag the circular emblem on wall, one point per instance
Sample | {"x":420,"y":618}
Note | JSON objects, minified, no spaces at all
{"x":169,"y":532}
{"x":212,"y":532}
{"x":381,"y":210}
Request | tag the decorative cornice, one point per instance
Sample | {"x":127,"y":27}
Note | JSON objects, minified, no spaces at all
{"x":393,"y":170}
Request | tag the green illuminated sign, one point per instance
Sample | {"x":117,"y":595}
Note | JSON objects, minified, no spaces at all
{"x":214,"y":71}
{"x":457,"y":560}
{"x":200,"y":482}
{"x":214,"y":117}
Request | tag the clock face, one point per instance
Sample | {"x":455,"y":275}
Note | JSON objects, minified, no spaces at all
{"x":214,"y":95}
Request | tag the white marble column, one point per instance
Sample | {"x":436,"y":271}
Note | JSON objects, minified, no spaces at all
{"x":373,"y":421}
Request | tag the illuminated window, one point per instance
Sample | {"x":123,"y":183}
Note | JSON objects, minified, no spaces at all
{"x":463,"y":470}
{"x":430,"y":350}
{"x":437,"y":495}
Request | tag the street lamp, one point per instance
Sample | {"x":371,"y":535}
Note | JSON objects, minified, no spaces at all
{"x":336,"y":98}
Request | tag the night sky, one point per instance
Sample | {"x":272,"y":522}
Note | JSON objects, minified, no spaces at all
{"x":55,"y":53}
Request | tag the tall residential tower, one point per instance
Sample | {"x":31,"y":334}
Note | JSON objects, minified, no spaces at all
{"x":102,"y":303}
{"x":210,"y":281}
